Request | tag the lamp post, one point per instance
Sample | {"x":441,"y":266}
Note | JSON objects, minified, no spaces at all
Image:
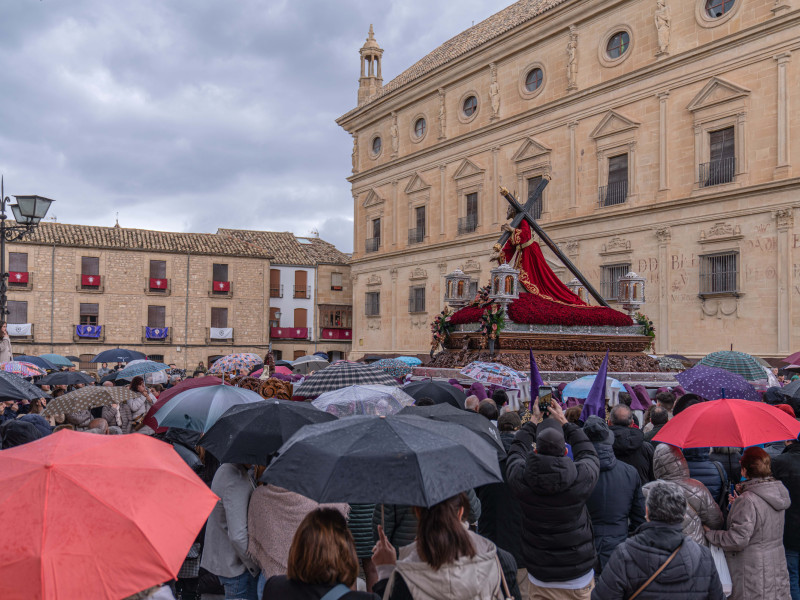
{"x":28,"y":211}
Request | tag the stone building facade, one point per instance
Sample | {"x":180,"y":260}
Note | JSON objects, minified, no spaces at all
{"x":667,"y":129}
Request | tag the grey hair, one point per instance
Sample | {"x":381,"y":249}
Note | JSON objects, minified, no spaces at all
{"x":621,"y":415}
{"x":665,"y":502}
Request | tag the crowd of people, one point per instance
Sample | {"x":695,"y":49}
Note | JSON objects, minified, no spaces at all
{"x":595,"y":509}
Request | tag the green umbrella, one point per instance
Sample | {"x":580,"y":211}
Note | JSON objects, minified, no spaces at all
{"x":735,"y":362}
{"x":57,"y":359}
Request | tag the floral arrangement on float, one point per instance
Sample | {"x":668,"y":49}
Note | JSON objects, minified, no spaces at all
{"x":493,"y":321}
{"x":647,"y":325}
{"x":441,"y":328}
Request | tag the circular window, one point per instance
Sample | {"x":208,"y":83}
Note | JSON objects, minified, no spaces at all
{"x":420,"y":127}
{"x":534,"y":80}
{"x":377,"y":145}
{"x":718,"y":8}
{"x":470,"y":106}
{"x":618,"y":44}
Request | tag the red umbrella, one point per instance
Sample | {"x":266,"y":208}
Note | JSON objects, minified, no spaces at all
{"x":105,"y":516}
{"x":726,"y":422}
{"x":186,"y":384}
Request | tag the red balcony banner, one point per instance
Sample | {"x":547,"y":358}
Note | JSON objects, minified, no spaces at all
{"x":158,"y":284}
{"x":289,"y":333}
{"x":222,"y":286}
{"x":18,"y":277}
{"x":90,"y":280}
{"x":336,"y":334}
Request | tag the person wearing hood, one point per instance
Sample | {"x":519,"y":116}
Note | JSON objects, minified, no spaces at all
{"x":557,"y":546}
{"x":629,"y":444}
{"x":687,"y":569}
{"x":15,"y":433}
{"x":616,"y":505}
{"x":753,"y":542}
{"x":702,"y":510}
{"x":786,"y":469}
{"x":446,"y":561}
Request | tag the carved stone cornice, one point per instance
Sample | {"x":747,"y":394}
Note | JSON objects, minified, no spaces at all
{"x":784,"y":218}
{"x":720,"y":232}
{"x":617,"y":245}
{"x":664,"y":234}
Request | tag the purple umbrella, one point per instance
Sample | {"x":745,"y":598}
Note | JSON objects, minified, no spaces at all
{"x":713,"y":384}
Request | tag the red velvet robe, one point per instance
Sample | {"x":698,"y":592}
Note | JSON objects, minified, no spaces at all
{"x":534,"y":272}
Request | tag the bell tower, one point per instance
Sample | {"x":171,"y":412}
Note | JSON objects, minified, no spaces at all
{"x":371,"y":80}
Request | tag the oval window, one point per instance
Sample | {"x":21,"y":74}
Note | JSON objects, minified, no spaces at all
{"x":717,"y":8}
{"x":376,"y":146}
{"x":534,"y":80}
{"x":618,"y":44}
{"x":419,"y":127}
{"x":470,"y":106}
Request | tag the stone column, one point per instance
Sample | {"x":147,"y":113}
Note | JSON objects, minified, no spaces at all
{"x":493,"y":193}
{"x":664,"y":235}
{"x":573,"y":168}
{"x":442,"y":197}
{"x":663,"y":163}
{"x":395,"y":213}
{"x":395,"y":307}
{"x":785,"y":225}
{"x":698,"y":153}
{"x":783,"y":168}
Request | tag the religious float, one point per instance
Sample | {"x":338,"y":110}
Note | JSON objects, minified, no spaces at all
{"x":525,"y":306}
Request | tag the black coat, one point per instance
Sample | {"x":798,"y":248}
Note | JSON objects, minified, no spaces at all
{"x":616,"y":504}
{"x":691,"y":575}
{"x":501,"y":514}
{"x":786,"y":468}
{"x":711,"y":475}
{"x":730,"y":462}
{"x":648,"y":437}
{"x":281,"y":587}
{"x":630,"y":448}
{"x":557,"y":542}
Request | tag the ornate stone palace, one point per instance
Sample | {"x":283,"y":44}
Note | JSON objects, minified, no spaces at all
{"x":666,"y":127}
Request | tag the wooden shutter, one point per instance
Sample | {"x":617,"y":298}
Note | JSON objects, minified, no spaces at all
{"x":273,"y":316}
{"x":300,"y":317}
{"x":18,"y":262}
{"x":274,"y":279}
{"x":17,"y":312}
{"x":89,"y":309}
{"x":300,"y":279}
{"x":221,"y":272}
{"x":158,"y":269}
{"x":90,"y":265}
{"x":157,"y":316}
{"x":219,"y":317}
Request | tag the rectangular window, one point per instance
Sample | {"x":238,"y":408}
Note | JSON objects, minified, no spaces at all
{"x":416,"y":235}
{"x":299,"y":354}
{"x":372,"y":304}
{"x":157,"y":316}
{"x":469,"y":223}
{"x":374,"y":242}
{"x":616,"y":192}
{"x":275,"y":284}
{"x":220,"y":272}
{"x":416,"y":299}
{"x":721,"y":167}
{"x":533,"y":183}
{"x":89,"y":314}
{"x":336,"y":281}
{"x":18,"y":262}
{"x":158,"y":269}
{"x":719,"y":273}
{"x":155,"y":357}
{"x":219,"y":317}
{"x":17,"y":312}
{"x":301,"y":284}
{"x":610,"y":282}
{"x":90,"y":265}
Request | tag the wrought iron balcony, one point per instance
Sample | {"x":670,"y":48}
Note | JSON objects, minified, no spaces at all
{"x":717,"y":172}
{"x":416,"y":235}
{"x":613,"y":193}
{"x":467,"y":224}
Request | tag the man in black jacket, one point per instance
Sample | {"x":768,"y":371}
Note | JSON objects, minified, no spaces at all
{"x":557,"y":545}
{"x":786,"y":468}
{"x":629,"y":444}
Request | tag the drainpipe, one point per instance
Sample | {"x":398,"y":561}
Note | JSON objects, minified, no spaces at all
{"x":314,"y":307}
{"x":186,"y":320}
{"x":52,"y":297}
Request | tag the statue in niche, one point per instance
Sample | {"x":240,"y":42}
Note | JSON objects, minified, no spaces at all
{"x":394,"y":132}
{"x":355,"y":153}
{"x":442,"y":117}
{"x":572,"y":61}
{"x":663,"y":20}
{"x":494,"y":92}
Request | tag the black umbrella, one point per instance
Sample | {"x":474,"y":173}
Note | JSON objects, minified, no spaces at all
{"x":112,"y":376}
{"x":73,"y":358}
{"x":251,"y":433}
{"x":469,"y":419}
{"x":790,"y":390}
{"x":118,"y":355}
{"x":38,"y":361}
{"x":283,"y":363}
{"x":439,"y":391}
{"x":65,"y":378}
{"x":387,"y":460}
{"x":14,"y":387}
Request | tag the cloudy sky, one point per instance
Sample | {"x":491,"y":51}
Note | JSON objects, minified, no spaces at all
{"x":197,"y":114}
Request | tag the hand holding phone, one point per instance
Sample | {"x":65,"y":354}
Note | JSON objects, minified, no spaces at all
{"x":545,"y":396}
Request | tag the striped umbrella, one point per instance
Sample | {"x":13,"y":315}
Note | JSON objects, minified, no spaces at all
{"x":141,"y":367}
{"x":341,"y":375}
{"x":394,"y":367}
{"x":23,"y":369}
{"x":735,"y":362}
{"x":242,"y":362}
{"x":57,"y":359}
{"x":88,"y":397}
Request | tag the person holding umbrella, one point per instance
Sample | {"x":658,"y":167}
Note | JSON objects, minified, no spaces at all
{"x":125,"y":415}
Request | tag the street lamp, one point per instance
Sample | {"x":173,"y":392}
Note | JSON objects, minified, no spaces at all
{"x":28,"y":212}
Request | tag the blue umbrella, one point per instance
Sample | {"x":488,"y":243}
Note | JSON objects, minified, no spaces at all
{"x":580,"y":387}
{"x":57,"y":359}
{"x":712,"y":383}
{"x":199,"y":408}
{"x":141,"y":368}
{"x":411,"y":361}
{"x":38,"y":361}
{"x":118,"y":355}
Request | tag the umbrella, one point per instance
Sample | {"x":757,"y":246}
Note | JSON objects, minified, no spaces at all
{"x":88,"y":397}
{"x":395,"y":368}
{"x":251,"y":433}
{"x":380,"y":400}
{"x":341,"y":375}
{"x":186,"y":384}
{"x":140,"y":368}
{"x":241,"y":362}
{"x":96,"y":504}
{"x":118,"y":355}
{"x":726,"y":422}
{"x":580,"y":387}
{"x":283,"y":363}
{"x":493,"y":373}
{"x":440,"y":392}
{"x":21,"y":368}
{"x":57,"y":359}
{"x":306,"y":364}
{"x":73,"y":358}
{"x":790,"y":390}
{"x":388,"y":460}
{"x":65,"y":378}
{"x":792,"y":358}
{"x":40,"y":362}
{"x":411,"y":361}
{"x":735,"y":362}
{"x":282,"y":370}
{"x":471,"y":420}
{"x":14,"y":387}
{"x":199,"y":408}
{"x":712,"y":383}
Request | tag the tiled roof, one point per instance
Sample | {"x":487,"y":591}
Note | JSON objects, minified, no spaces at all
{"x":90,"y":236}
{"x":285,"y":248}
{"x":477,"y":35}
